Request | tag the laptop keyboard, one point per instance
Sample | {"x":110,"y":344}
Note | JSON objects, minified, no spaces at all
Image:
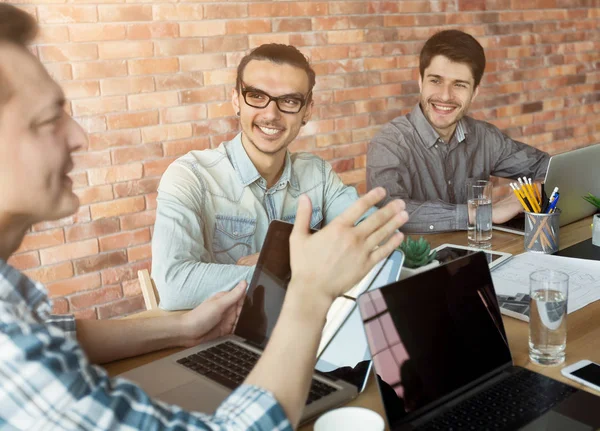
{"x":229,"y":364}
{"x":510,"y":403}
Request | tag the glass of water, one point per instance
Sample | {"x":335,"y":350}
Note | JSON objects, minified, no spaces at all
{"x":479,"y":204}
{"x":549,"y":291}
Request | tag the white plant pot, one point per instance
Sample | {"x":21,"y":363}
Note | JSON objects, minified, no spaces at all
{"x":596,"y":230}
{"x":409,"y":272}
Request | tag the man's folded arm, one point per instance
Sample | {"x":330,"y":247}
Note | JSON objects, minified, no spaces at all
{"x":180,"y":270}
{"x":384,"y":169}
{"x":180,"y":260}
{"x":516,"y":159}
{"x":434,"y":216}
{"x":428,"y":216}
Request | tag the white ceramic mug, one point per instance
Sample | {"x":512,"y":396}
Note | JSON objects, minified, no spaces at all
{"x":350,"y":419}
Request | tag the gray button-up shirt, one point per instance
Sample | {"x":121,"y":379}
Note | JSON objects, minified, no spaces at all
{"x":409,"y":159}
{"x":213,"y":207}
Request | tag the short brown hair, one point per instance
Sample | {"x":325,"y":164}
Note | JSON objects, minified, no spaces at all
{"x":280,"y":54}
{"x":458,"y":47}
{"x":17,"y":27}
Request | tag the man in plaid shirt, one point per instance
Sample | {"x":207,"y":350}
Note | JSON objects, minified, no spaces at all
{"x":48,"y":379}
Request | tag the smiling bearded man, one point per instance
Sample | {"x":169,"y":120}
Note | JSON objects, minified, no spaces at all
{"x":427,"y":156}
{"x":214,"y":206}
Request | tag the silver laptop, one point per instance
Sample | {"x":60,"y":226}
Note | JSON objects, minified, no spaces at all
{"x":576,"y":174}
{"x":200,"y":378}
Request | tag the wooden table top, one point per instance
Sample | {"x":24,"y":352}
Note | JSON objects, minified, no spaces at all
{"x":583,"y":326}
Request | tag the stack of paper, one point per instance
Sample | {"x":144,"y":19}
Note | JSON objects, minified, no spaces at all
{"x":511,"y":280}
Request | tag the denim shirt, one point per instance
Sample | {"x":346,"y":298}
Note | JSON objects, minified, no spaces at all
{"x":213,"y":208}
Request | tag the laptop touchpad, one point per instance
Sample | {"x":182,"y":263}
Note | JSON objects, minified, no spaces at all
{"x":581,"y":406}
{"x":554,"y":421}
{"x":200,"y":395}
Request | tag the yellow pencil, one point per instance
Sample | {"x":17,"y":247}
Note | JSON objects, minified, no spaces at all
{"x":538,"y":195}
{"x":528,"y":194}
{"x":532,"y":191}
{"x":526,"y":199}
{"x":537,"y":207}
{"x":532,"y":194}
{"x":516,"y":192}
{"x":529,"y":189}
{"x":520,"y":194}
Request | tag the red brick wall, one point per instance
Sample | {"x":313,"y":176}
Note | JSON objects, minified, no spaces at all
{"x":151,"y":81}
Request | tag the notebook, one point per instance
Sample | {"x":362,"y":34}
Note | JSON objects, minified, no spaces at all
{"x":582,"y":250}
{"x":440,"y":349}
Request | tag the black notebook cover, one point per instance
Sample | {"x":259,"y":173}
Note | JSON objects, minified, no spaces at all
{"x":582,"y":250}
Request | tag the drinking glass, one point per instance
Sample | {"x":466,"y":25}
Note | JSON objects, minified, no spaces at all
{"x":549,"y":291}
{"x":479,"y":204}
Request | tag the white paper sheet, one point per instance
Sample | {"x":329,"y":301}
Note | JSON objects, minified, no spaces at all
{"x":584,"y":276}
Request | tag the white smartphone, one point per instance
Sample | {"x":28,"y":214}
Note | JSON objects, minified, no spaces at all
{"x":585,"y":372}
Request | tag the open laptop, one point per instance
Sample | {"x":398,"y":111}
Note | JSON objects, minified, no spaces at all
{"x":439,"y":346}
{"x":343,"y":351}
{"x":349,"y":347}
{"x":576,"y":174}
{"x":200,"y":378}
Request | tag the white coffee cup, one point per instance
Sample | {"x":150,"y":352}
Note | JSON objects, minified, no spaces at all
{"x":350,"y":419}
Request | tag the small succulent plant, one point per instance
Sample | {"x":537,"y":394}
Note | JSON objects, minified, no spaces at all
{"x":417,"y":253}
{"x":593,"y":200}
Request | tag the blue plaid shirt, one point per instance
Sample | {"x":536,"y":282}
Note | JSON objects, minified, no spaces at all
{"x":47,"y":382}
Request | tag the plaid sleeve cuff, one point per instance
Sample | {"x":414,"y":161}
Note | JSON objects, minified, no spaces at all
{"x":63,"y":322}
{"x":251,"y":407}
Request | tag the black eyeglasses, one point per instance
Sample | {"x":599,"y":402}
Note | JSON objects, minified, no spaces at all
{"x":260,"y":99}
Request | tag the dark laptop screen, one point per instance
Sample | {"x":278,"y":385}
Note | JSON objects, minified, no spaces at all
{"x":265,"y":296}
{"x":264,"y":300}
{"x":432,"y":334}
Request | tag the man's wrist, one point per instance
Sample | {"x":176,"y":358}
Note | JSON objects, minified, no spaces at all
{"x":180,"y":331}
{"x":307,"y":302}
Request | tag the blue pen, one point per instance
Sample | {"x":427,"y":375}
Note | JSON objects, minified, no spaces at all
{"x":552,"y":205}
{"x":550,"y":199}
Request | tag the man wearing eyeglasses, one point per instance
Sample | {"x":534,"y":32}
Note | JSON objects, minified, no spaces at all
{"x":214,"y":206}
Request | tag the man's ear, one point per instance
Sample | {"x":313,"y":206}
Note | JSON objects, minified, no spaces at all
{"x":475,"y":93}
{"x":235,"y":100}
{"x":420,"y":83}
{"x":308,"y":112}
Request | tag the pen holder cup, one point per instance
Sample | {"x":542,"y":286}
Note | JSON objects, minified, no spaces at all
{"x":541,"y":232}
